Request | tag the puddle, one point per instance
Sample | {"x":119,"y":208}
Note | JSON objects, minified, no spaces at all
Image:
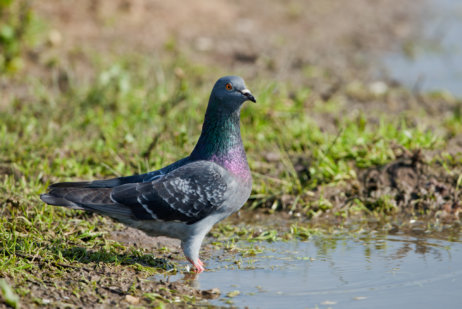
{"x":379,"y":272}
{"x":433,"y":62}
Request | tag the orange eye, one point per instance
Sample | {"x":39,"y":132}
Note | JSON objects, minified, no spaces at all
{"x":229,"y":86}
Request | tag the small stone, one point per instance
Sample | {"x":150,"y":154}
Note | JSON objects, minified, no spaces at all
{"x":272,"y":156}
{"x":378,"y":88}
{"x":132,"y":299}
{"x":54,"y":37}
{"x":212,"y":293}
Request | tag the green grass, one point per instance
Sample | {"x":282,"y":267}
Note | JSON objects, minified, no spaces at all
{"x":127,"y":121}
{"x":138,"y":116}
{"x":17,"y":26}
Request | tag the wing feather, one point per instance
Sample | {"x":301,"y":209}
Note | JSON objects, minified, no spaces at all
{"x":187,"y":194}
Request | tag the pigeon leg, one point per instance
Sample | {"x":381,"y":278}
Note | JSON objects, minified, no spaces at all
{"x":198,"y":266}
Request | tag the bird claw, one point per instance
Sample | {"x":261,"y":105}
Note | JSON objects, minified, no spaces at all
{"x":199,"y":266}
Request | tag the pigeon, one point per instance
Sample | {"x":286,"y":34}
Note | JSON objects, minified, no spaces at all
{"x":186,"y":198}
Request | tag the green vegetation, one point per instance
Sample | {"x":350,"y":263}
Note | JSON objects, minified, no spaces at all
{"x":8,"y":295}
{"x":15,"y":20}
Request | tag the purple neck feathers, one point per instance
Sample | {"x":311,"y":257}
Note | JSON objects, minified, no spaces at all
{"x":221,"y":142}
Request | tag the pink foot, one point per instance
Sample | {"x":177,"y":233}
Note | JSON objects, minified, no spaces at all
{"x":199,"y":266}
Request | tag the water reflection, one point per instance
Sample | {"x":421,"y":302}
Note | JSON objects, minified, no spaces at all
{"x":433,"y":62}
{"x":380,"y":271}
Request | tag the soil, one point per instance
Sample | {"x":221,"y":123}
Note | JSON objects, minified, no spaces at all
{"x":416,"y":184}
{"x":411,"y":187}
{"x":136,"y":238}
{"x":234,"y":35}
{"x":107,"y":286}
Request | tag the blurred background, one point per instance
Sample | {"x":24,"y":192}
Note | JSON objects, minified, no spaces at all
{"x":283,"y":39}
{"x":415,"y":43}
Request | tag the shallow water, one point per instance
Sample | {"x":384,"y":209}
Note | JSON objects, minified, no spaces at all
{"x":348,"y":272}
{"x":433,"y":62}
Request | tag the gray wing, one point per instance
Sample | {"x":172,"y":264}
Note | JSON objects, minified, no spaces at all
{"x":187,"y":194}
{"x":114,"y":182}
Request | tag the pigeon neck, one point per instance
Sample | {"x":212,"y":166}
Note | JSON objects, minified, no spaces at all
{"x":221,"y":142}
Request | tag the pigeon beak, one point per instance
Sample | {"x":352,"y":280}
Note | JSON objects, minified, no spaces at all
{"x":248,"y":95}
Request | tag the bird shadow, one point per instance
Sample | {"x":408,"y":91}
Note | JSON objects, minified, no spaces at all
{"x":86,"y":256}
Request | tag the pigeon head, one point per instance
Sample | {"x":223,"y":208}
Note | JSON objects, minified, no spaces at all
{"x":229,"y":93}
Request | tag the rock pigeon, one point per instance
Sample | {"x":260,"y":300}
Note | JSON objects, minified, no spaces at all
{"x":184,"y":199}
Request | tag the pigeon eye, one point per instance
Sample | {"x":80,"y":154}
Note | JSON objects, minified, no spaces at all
{"x":229,"y":86}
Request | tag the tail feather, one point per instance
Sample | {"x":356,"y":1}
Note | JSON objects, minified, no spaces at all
{"x":82,"y":198}
{"x":59,"y":201}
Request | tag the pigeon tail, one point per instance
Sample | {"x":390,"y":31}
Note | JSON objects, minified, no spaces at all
{"x":89,"y":199}
{"x":59,"y":201}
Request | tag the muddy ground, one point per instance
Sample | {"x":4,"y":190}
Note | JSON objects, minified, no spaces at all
{"x":407,"y":187}
{"x":267,"y":39}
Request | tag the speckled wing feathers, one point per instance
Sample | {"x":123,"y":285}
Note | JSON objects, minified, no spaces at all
{"x":187,"y":194}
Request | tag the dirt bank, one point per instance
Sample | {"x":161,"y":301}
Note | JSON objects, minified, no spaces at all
{"x":280,"y":39}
